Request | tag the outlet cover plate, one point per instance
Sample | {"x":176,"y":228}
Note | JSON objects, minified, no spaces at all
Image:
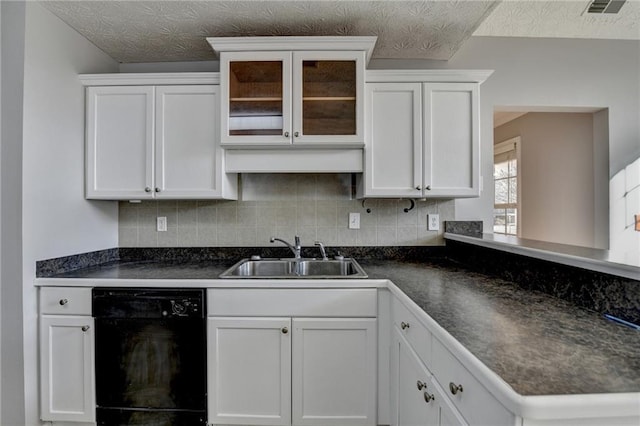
{"x":433,"y":222}
{"x":162,"y":223}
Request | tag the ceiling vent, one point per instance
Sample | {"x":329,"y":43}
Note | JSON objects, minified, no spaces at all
{"x":605,"y":6}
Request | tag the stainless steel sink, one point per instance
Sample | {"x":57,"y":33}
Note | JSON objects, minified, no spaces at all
{"x":292,"y":268}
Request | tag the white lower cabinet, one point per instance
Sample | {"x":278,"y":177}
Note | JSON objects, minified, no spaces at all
{"x":282,"y":371}
{"x":292,"y":356}
{"x":334,"y":371}
{"x":249,"y":370}
{"x":67,"y":376}
{"x":417,"y":398}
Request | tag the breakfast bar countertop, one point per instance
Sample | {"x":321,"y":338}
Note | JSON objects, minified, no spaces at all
{"x":537,"y":344}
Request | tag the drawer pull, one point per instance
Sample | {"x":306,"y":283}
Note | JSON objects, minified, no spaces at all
{"x":63,"y":302}
{"x":455,"y":388}
{"x":421,"y":385}
{"x":85,"y":327}
{"x":404,"y":325}
{"x":428,"y":397}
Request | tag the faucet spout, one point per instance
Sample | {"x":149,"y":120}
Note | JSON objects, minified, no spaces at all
{"x":295,"y":249}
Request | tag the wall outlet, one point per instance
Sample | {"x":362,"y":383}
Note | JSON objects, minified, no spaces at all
{"x":162,"y":224}
{"x":433,"y":222}
{"x":354,"y":220}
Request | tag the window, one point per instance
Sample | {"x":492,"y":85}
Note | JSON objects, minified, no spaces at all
{"x":505,"y":177}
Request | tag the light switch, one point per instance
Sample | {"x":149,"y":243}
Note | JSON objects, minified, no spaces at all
{"x":354,"y":220}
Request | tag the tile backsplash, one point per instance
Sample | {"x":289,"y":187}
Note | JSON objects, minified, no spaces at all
{"x":314,"y":206}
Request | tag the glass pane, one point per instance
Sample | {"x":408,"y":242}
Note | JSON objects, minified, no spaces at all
{"x":329,"y":97}
{"x":513,"y":190}
{"x":513,"y":167}
{"x":512,"y":222}
{"x":499,"y":221}
{"x":501,"y":170}
{"x":255,"y":98}
{"x":501,"y":189}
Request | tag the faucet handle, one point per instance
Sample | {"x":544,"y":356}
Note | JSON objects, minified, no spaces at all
{"x":322,"y":251}
{"x":297,"y":241}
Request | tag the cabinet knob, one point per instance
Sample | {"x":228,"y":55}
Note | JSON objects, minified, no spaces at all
{"x":455,"y":388}
{"x":63,"y":302}
{"x":286,"y":134}
{"x":296,"y":134}
{"x":147,"y":189}
{"x":421,"y":385}
{"x":85,"y":327}
{"x":158,"y":189}
{"x":404,"y":325}
{"x":428,"y":187}
{"x":428,"y":397}
{"x":418,"y":188}
{"x":285,"y":330}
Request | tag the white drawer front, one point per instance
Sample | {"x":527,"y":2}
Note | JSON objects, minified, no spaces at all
{"x":65,"y":300}
{"x":474,"y":401}
{"x":347,"y":302}
{"x":416,"y":334}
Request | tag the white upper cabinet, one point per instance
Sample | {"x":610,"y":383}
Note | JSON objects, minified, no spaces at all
{"x":119,"y":146}
{"x":451,"y":166}
{"x":288,"y":91}
{"x":158,"y":142}
{"x":422,"y":138}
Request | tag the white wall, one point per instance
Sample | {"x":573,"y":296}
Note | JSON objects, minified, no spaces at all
{"x":12,"y":16}
{"x":549,"y":73}
{"x":556,"y":176}
{"x":57,"y":221}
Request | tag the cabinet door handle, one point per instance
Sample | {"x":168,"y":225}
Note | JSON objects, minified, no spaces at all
{"x":63,"y":302}
{"x":147,"y":189}
{"x":428,"y":187}
{"x":404,"y":325}
{"x":418,"y":187}
{"x":421,"y":385}
{"x":285,"y":330}
{"x":455,"y":388}
{"x":296,"y":134}
{"x":428,"y":397}
{"x":286,"y":134}
{"x":85,"y":327}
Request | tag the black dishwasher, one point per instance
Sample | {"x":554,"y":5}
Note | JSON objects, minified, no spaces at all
{"x":150,"y":356}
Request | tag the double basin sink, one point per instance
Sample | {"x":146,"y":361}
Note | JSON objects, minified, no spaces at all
{"x":295,"y":268}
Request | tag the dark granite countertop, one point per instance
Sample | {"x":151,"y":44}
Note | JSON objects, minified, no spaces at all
{"x":151,"y":270}
{"x":538,"y":344}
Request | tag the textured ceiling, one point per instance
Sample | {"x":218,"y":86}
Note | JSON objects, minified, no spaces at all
{"x":152,"y":31}
{"x":522,"y":18}
{"x":159,"y":31}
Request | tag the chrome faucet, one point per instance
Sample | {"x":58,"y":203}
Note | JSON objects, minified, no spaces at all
{"x":294,"y":248}
{"x":322,"y":251}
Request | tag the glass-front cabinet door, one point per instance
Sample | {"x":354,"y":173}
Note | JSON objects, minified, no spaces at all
{"x":282,"y":98}
{"x":328,"y":102}
{"x":256,"y":103}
